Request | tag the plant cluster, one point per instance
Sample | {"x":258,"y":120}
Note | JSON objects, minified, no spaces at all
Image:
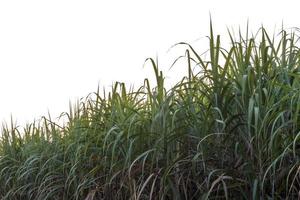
{"x":229,"y":131}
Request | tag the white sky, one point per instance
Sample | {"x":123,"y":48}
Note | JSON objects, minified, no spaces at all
{"x":55,"y":51}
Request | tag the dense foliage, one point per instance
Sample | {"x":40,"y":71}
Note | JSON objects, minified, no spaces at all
{"x":231,"y":130}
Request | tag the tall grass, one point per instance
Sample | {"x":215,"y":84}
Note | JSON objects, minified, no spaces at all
{"x":229,"y":131}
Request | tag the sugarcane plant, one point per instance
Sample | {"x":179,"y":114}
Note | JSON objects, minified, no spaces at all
{"x":229,"y":129}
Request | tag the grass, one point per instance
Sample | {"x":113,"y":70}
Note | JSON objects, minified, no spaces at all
{"x":231,"y":130}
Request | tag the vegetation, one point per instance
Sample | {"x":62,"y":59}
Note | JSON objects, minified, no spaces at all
{"x":230,"y":129}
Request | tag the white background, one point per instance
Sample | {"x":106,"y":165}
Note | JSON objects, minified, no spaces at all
{"x":56,"y":51}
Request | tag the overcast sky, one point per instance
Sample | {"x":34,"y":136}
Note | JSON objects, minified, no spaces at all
{"x":56,"y":51}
